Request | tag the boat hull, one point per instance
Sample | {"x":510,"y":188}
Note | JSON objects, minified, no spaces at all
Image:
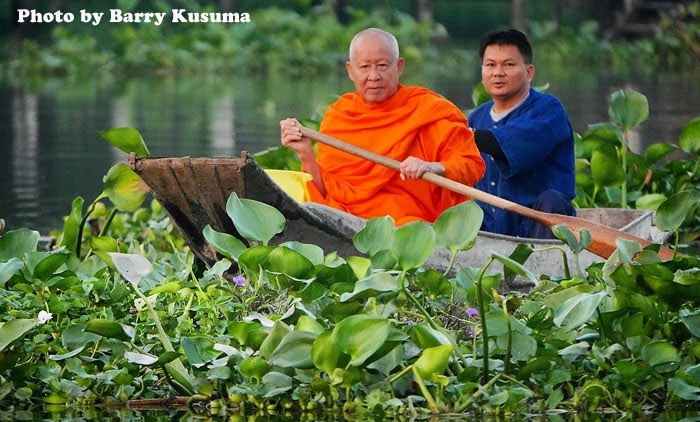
{"x":194,"y":192}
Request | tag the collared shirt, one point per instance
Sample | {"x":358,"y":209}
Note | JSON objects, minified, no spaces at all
{"x":537,"y":140}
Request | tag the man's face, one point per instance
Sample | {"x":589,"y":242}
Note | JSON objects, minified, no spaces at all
{"x":505,"y":74}
{"x":374,"y":70}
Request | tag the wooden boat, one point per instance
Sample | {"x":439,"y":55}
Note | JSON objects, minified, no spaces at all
{"x":194,"y":192}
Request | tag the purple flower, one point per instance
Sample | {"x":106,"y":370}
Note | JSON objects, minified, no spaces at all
{"x":239,"y":281}
{"x":409,"y":322}
{"x":472,"y":312}
{"x":470,"y":331}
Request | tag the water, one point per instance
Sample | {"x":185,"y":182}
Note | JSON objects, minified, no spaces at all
{"x":51,"y":153}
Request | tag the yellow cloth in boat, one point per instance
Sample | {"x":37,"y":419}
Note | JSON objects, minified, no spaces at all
{"x":292,"y":182}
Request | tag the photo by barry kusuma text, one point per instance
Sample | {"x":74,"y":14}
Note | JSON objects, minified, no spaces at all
{"x":119,"y":16}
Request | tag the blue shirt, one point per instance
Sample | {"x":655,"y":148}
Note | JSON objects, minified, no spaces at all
{"x":537,"y":140}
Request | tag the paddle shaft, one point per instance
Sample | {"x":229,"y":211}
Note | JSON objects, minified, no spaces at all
{"x":603,"y":243}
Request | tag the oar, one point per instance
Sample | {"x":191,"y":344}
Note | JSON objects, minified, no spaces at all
{"x":603,"y":237}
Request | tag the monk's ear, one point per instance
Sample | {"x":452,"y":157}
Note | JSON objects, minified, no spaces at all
{"x":351,"y":74}
{"x":399,"y":65}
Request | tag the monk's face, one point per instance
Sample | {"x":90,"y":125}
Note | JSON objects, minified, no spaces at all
{"x":505,"y":75}
{"x":374,"y":69}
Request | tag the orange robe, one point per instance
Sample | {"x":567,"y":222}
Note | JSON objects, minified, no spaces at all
{"x":414,"y":122}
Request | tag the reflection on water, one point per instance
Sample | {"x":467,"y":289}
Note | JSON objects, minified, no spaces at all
{"x":51,"y":154}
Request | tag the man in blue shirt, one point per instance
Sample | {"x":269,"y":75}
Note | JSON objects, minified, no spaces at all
{"x":525,"y":137}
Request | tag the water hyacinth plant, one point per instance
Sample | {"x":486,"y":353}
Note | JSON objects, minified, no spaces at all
{"x":300,"y":330}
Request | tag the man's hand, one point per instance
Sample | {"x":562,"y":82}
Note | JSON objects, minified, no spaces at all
{"x":291,"y":137}
{"x":290,"y":134}
{"x":413,"y":168}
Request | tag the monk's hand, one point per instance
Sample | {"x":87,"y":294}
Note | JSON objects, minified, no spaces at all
{"x":414,"y":168}
{"x":291,"y":137}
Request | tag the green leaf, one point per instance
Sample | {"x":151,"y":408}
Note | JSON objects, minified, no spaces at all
{"x":424,"y":336}
{"x":75,"y":336}
{"x":325,"y":353}
{"x":578,"y":310}
{"x":110,"y":329}
{"x":433,"y":283}
{"x":657,"y":151}
{"x":672,"y":212}
{"x":199,"y":350}
{"x":144,"y":359}
{"x":71,"y":225}
{"x":254,"y":367}
{"x":169,"y":287}
{"x":480,"y":95}
{"x":311,"y":252}
{"x":360,"y":336}
{"x":15,"y":329}
{"x":64,"y":356}
{"x":375,"y":236}
{"x":126,"y":139}
{"x":679,"y":387}
{"x":458,"y":226}
{"x":8,"y":269}
{"x":224,"y":243}
{"x":412,"y":244}
{"x":46,"y":267}
{"x":375,"y":284}
{"x":294,"y":351}
{"x":433,"y":361}
{"x":650,"y":201}
{"x":279,"y":331}
{"x":15,"y":243}
{"x":131,"y":266}
{"x":691,"y":319}
{"x":291,"y":263}
{"x":390,"y":361}
{"x":515,"y":267}
{"x":661,"y":355}
{"x":124,"y":188}
{"x":689,"y":139}
{"x":254,"y":220}
{"x":628,"y":108}
{"x":307,"y":323}
{"x":606,"y":169}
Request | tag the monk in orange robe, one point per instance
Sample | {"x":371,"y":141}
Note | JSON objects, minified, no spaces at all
{"x":413,"y":125}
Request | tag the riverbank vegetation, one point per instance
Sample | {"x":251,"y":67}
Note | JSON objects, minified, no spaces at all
{"x":283,"y":40}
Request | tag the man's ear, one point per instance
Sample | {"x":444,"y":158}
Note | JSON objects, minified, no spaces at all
{"x":530,"y":72}
{"x":351,"y":74}
{"x":399,"y":65}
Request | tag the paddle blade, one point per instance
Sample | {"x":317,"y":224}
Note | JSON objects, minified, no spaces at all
{"x":603,"y":238}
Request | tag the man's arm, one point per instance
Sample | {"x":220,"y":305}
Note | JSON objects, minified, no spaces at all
{"x":293,"y":139}
{"x":487,"y":143}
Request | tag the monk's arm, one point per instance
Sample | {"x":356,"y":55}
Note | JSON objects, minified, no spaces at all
{"x":309,"y":165}
{"x":458,"y":152}
{"x":290,"y":132}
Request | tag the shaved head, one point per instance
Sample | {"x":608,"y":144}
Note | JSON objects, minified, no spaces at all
{"x":377,"y":34}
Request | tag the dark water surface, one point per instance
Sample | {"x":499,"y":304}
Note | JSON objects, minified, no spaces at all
{"x":50,"y":153}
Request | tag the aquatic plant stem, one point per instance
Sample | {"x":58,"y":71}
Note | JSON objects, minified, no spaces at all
{"x":453,"y":258}
{"x":509,"y":345}
{"x":179,"y":369}
{"x":83,"y":221}
{"x":623,"y":188}
{"x":432,"y":405}
{"x":462,"y":407}
{"x":482,"y":316}
{"x":436,"y":327}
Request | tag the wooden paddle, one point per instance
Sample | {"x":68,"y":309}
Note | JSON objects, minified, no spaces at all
{"x":603,"y":237}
